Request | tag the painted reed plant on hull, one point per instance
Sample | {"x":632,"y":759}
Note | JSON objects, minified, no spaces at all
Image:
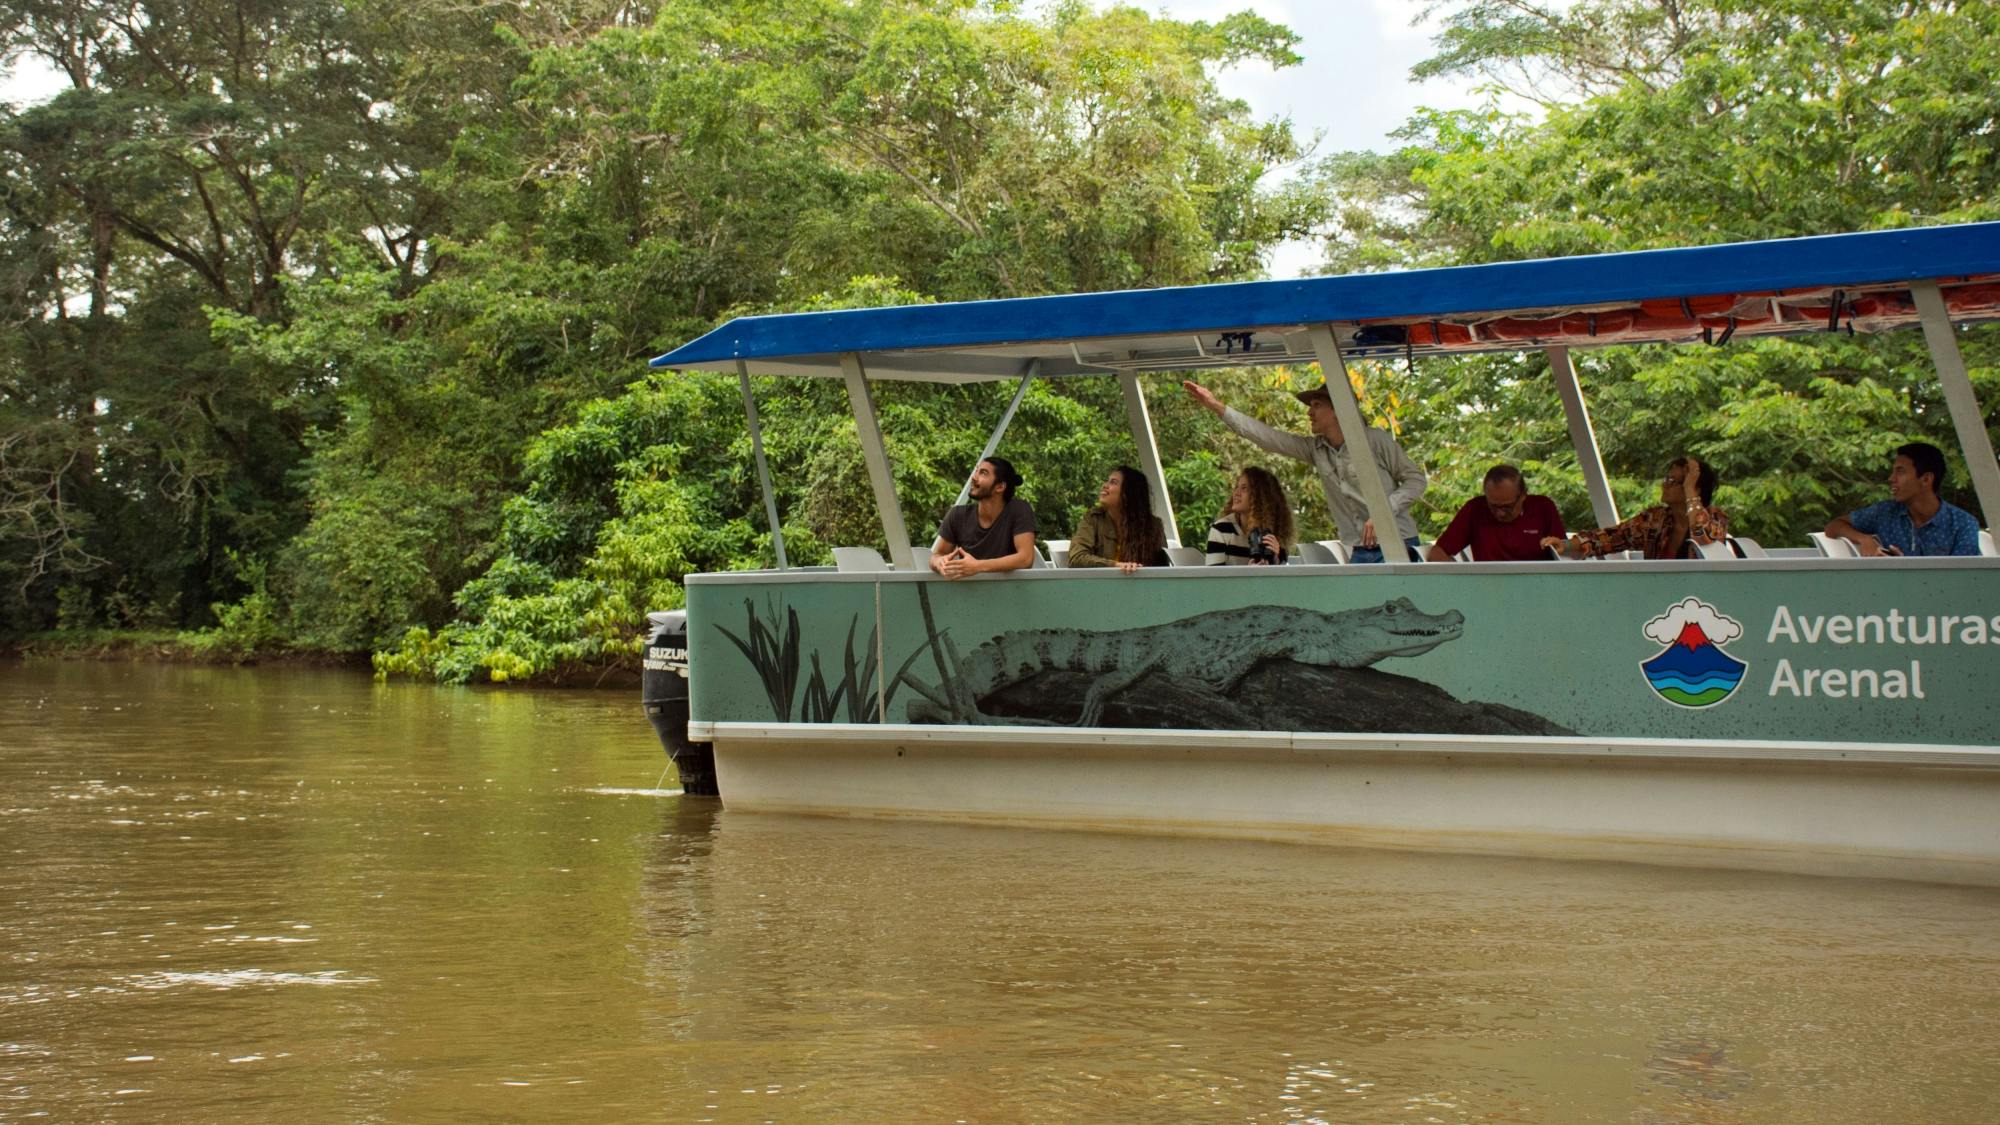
{"x":776,"y":660}
{"x":775,"y":656}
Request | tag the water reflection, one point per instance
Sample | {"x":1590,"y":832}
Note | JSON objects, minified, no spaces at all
{"x":239,"y":894}
{"x":941,"y":972}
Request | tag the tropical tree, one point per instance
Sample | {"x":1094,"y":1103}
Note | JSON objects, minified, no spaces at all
{"x":1678,"y":122}
{"x":202,"y":161}
{"x":764,"y":156}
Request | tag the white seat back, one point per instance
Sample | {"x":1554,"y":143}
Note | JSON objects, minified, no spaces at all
{"x":1317,"y":554}
{"x":1986,"y":545}
{"x":1748,"y":548}
{"x":1832,"y":547}
{"x":858,"y":559}
{"x":1186,"y":556}
{"x":1341,"y":552}
{"x":1717,"y":552}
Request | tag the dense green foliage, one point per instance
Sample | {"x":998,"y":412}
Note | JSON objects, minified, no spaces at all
{"x":1672,"y":123}
{"x":329,"y":321}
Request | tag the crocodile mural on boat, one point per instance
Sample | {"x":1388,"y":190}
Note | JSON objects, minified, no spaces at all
{"x":1813,"y":654}
{"x":1261,"y":667}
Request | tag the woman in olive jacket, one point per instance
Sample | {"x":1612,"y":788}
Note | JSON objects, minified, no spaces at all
{"x":1121,"y":530}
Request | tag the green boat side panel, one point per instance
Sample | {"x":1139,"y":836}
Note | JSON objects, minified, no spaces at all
{"x":1857,"y":654}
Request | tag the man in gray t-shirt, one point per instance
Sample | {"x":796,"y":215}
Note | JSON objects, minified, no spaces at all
{"x":994,"y":532}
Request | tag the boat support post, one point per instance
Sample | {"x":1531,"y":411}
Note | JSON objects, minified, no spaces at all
{"x":1960,"y":399}
{"x":869,"y":429}
{"x":1333,"y":370}
{"x":763,"y":469}
{"x":1602,"y":505}
{"x":999,"y":431}
{"x":1149,"y":450}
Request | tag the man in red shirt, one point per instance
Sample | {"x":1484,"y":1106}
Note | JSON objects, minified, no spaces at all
{"x":1504,"y":525}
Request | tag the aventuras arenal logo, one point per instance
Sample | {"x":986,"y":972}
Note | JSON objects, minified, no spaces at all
{"x":1693,"y":671}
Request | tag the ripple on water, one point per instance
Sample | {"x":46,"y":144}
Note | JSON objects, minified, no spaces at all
{"x":242,"y":978}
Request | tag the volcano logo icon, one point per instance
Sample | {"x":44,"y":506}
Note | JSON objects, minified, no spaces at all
{"x":1692,"y":670}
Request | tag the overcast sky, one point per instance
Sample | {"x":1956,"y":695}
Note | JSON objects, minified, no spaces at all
{"x":1354,"y":86}
{"x":1355,"y":81}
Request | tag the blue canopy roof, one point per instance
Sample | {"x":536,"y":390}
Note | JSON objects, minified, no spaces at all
{"x":1164,"y":329}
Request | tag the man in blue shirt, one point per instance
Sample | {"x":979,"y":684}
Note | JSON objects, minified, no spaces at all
{"x":1914,"y":520}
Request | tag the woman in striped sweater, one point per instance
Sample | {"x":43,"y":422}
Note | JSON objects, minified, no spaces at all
{"x":1255,"y":529}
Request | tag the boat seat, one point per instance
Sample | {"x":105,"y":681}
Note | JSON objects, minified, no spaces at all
{"x":858,"y":559}
{"x":1986,"y":545}
{"x":1832,"y":547}
{"x":1716,"y":552}
{"x":1746,"y":548}
{"x":1186,"y":556}
{"x":1318,"y":553}
{"x":1058,"y":552}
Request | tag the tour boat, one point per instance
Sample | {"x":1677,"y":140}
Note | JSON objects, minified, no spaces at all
{"x":1785,"y":710}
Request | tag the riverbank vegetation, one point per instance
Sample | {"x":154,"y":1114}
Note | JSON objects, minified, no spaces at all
{"x":329,"y":322}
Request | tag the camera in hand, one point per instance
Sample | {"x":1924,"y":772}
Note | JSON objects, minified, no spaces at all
{"x":1258,"y":551}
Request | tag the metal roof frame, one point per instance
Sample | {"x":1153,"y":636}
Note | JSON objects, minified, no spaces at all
{"x":1877,"y":280}
{"x":1195,"y":327}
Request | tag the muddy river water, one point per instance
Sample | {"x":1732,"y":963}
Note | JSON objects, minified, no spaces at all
{"x":257,"y":895}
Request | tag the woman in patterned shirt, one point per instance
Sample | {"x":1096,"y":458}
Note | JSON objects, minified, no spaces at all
{"x":1662,"y":532}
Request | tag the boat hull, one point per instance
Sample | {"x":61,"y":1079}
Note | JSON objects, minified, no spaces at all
{"x":1924,"y":813}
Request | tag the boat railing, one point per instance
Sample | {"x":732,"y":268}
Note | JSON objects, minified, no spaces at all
{"x":1790,"y":559}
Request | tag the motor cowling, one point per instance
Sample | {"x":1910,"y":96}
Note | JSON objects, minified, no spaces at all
{"x":663,"y":691}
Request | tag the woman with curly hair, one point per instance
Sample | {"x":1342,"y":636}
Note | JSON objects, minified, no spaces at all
{"x":1255,"y":528}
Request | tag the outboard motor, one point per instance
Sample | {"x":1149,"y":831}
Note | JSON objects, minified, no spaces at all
{"x":664,"y":693}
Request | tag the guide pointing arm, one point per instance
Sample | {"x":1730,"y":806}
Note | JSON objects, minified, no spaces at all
{"x":1250,"y":429}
